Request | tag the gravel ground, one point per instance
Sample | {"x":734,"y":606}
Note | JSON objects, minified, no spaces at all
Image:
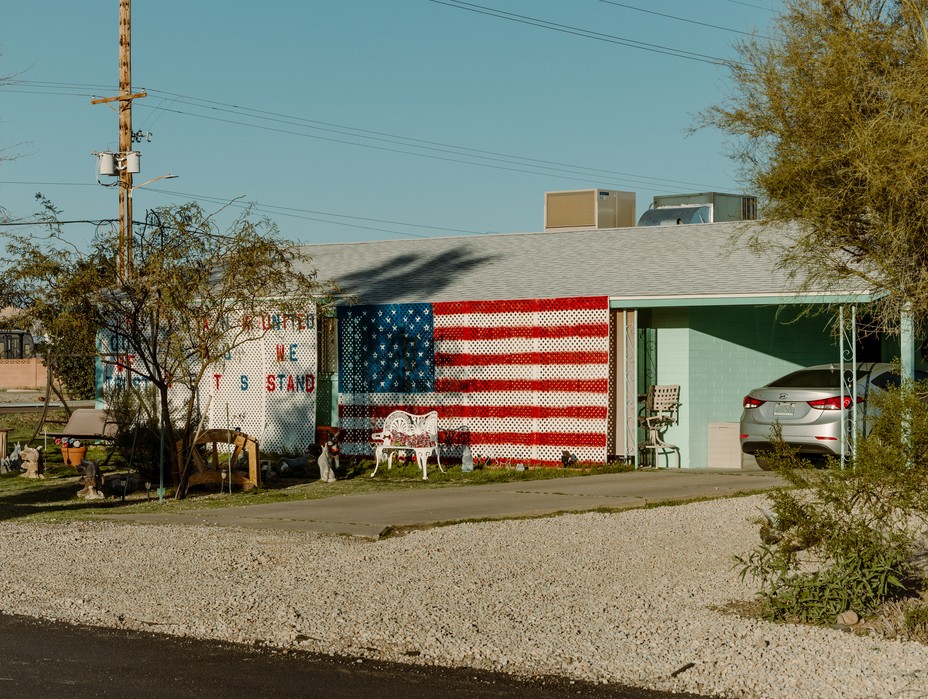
{"x":629,"y":598}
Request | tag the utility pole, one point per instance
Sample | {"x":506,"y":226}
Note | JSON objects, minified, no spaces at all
{"x":126,"y":161}
{"x":125,"y":135}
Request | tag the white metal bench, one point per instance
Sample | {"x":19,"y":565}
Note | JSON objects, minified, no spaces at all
{"x":403,"y":432}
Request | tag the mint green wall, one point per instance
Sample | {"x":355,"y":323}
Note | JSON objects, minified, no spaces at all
{"x":673,"y":367}
{"x":890,"y":348}
{"x":719,"y":353}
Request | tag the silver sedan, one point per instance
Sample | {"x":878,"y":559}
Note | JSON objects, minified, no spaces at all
{"x":809,"y":408}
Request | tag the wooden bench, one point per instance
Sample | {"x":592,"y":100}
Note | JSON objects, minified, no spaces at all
{"x":404,"y":431}
{"x":211,"y":472}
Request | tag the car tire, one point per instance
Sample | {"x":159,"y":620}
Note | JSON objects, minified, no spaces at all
{"x":765,"y":463}
{"x":819,"y":461}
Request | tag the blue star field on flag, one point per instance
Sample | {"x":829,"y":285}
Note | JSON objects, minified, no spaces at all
{"x":386,"y":349}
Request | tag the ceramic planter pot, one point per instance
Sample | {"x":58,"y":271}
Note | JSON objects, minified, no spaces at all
{"x":73,"y":455}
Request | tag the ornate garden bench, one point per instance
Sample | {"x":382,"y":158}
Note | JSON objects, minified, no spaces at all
{"x":404,"y":431}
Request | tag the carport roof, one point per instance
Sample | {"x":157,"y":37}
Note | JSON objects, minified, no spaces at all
{"x":701,"y":264}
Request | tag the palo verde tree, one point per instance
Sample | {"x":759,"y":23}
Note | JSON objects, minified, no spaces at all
{"x":829,"y":119}
{"x":183,"y":303}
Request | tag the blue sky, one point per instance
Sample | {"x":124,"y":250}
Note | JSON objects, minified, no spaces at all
{"x":349,"y":120}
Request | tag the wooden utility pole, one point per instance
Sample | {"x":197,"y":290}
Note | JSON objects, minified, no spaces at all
{"x":125,"y":97}
{"x":125,"y":136}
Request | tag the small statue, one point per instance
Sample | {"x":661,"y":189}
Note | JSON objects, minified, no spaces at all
{"x":288,"y":466}
{"x":328,"y":459}
{"x":33,"y":464}
{"x":92,"y":480}
{"x":11,"y":463}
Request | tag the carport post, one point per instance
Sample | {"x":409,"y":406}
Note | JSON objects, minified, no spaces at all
{"x":907,"y":344}
{"x":847,"y":350}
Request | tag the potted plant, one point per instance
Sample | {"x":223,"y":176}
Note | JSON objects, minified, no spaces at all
{"x":72,"y":451}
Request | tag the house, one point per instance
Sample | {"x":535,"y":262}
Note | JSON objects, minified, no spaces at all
{"x":668,"y":304}
{"x":20,"y":368}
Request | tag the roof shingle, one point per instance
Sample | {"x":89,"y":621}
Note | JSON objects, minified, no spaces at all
{"x":652,"y":262}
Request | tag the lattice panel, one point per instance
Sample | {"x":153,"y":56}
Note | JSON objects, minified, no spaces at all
{"x":528,"y":378}
{"x":265,"y":387}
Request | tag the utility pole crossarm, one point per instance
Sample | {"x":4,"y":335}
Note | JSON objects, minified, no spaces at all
{"x":104,"y":100}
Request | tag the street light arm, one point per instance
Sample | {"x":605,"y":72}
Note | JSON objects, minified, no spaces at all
{"x":154,"y":179}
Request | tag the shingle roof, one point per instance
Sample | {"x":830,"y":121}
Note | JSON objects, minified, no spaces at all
{"x":705,"y":260}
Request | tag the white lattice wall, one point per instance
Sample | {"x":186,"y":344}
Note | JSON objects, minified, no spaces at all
{"x":266,"y":387}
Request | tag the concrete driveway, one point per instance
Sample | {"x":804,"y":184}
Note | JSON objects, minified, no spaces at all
{"x":373,"y":514}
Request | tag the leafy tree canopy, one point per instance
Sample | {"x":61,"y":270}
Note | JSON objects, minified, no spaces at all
{"x":184,"y":302}
{"x":44,"y":281}
{"x":830,"y":122}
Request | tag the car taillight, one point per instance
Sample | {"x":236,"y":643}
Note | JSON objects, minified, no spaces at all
{"x":833,"y":403}
{"x":751,"y":402}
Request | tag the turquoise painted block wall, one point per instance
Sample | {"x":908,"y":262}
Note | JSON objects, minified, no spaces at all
{"x":673,"y":367}
{"x":717,"y":354}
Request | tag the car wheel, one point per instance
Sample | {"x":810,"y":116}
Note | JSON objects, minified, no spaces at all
{"x":765,"y":463}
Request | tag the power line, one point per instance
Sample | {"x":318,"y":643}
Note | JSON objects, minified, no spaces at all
{"x":577,"y":31}
{"x":408,"y":140}
{"x":95,"y":222}
{"x":291,"y":212}
{"x":749,"y":4}
{"x":475,"y":156}
{"x":512,"y":167}
{"x":679,"y":19}
{"x":509,"y":166}
{"x":50,"y":184}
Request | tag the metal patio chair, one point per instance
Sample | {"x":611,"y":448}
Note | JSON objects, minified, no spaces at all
{"x":660,"y":412}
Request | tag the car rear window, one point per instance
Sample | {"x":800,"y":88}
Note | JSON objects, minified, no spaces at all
{"x":813,"y":378}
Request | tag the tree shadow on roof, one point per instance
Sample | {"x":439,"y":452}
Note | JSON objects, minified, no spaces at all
{"x":412,"y":277}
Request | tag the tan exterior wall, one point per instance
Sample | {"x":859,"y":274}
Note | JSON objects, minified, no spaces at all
{"x":22,"y":373}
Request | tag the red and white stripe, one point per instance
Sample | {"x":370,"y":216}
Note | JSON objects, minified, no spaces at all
{"x":529,"y":378}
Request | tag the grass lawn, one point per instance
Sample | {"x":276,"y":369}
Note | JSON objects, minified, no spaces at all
{"x":54,"y":498}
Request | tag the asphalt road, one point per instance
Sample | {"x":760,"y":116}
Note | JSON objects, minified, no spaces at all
{"x":41,"y":659}
{"x":31,"y":406}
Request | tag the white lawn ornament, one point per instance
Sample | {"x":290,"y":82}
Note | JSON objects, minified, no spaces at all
{"x":328,"y":459}
{"x":32,"y":462}
{"x":292,"y":465}
{"x":11,"y":463}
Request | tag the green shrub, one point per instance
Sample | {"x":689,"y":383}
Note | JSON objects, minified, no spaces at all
{"x":138,"y":436}
{"x":842,"y":538}
{"x":916,"y":617}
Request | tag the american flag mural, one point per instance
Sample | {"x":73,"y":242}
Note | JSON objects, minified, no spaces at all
{"x":528,"y":379}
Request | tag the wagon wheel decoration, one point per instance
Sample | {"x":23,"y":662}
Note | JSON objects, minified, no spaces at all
{"x":212,"y":472}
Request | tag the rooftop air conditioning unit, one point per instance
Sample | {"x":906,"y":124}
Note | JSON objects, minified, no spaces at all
{"x":589,"y":208}
{"x":707,"y":207}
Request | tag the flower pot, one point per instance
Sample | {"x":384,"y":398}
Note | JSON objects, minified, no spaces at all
{"x":73,"y":456}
